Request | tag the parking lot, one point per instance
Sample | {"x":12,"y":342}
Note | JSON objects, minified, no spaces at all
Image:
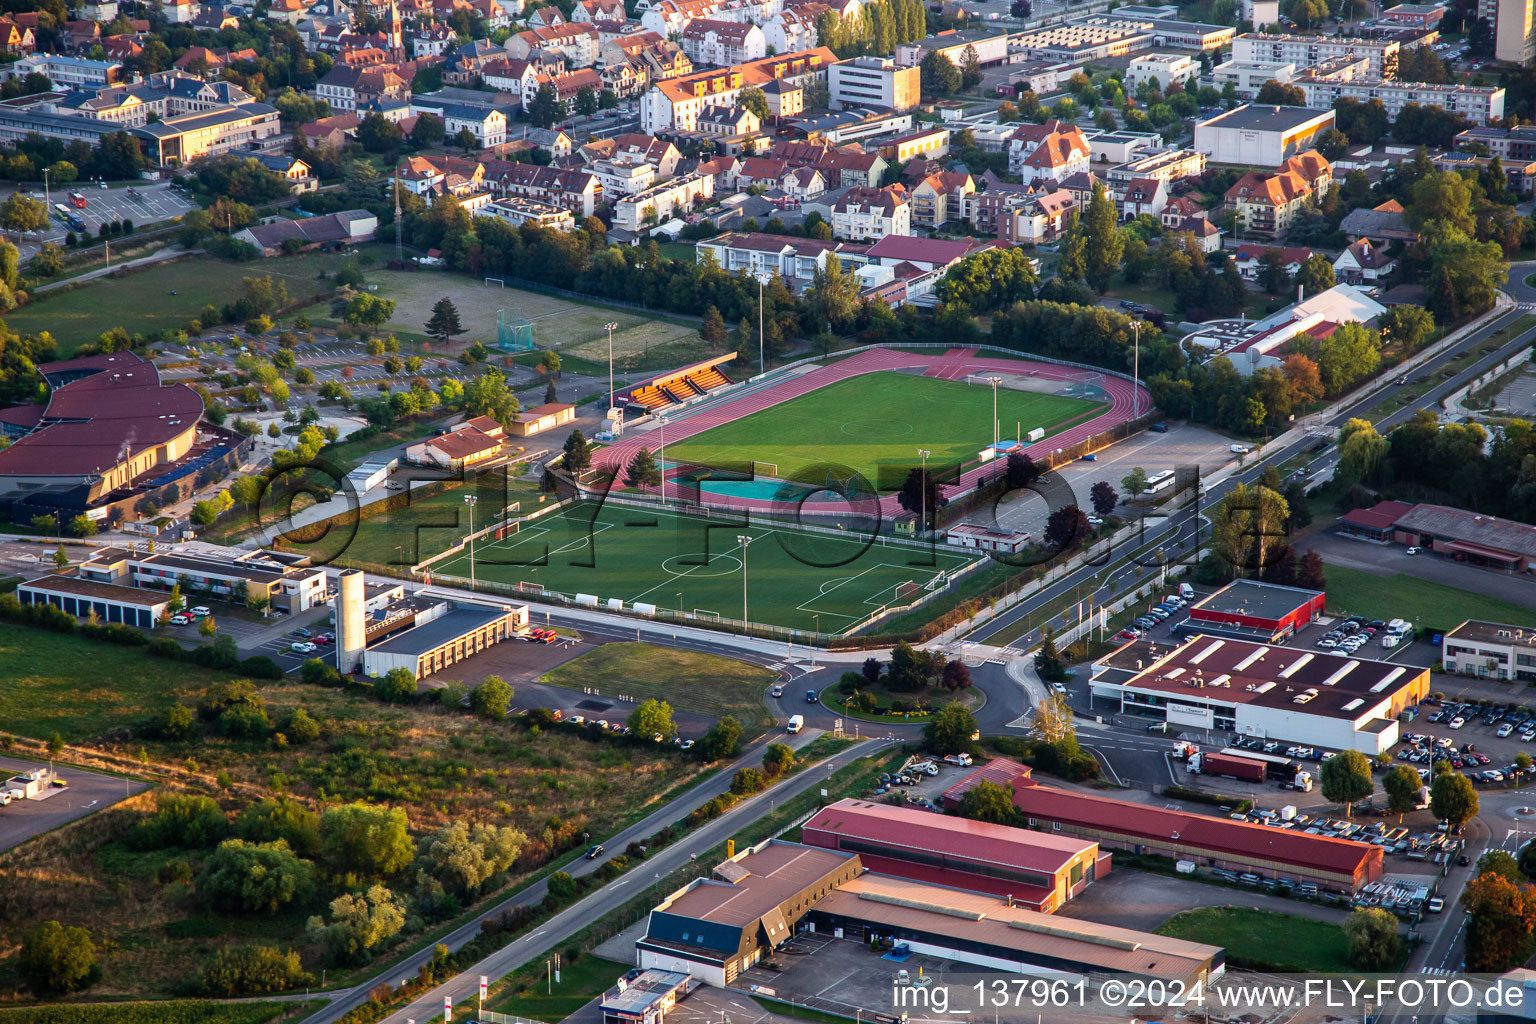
{"x":143,"y":204}
{"x":86,"y":793}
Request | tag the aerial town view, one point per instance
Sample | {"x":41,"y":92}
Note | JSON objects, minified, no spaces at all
{"x":767,"y":511}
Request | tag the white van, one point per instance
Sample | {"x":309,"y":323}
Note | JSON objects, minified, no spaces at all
{"x":796,"y":723}
{"x":1186,"y":591}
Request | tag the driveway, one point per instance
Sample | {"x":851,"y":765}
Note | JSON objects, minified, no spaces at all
{"x":1142,"y":900}
{"x":87,"y":793}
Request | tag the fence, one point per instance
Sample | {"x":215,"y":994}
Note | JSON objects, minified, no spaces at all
{"x":458,"y":548}
{"x":1461,"y":394}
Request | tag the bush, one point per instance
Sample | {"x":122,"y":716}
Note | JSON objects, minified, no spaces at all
{"x":55,"y":959}
{"x":192,"y":822}
{"x":299,"y":727}
{"x":747,"y":781}
{"x":252,"y":970}
{"x":176,"y":723}
{"x":253,"y":877}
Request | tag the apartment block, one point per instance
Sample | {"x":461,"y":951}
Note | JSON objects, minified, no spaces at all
{"x":874,"y":81}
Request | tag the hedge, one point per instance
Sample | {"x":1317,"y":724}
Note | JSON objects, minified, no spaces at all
{"x":177,"y":1011}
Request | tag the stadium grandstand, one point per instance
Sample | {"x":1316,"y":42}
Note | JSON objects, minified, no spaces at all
{"x":676,"y":387}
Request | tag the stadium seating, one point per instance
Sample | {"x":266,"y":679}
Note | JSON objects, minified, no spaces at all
{"x":651,"y":397}
{"x":708,"y":380}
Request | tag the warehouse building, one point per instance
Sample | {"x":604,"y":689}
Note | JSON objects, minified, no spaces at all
{"x":1341,"y":865}
{"x":1261,"y":136}
{"x":715,"y":928}
{"x":1000,"y":771}
{"x":985,"y":931}
{"x":1251,"y":610}
{"x":1279,"y":693}
{"x":108,"y":601}
{"x":441,"y":632}
{"x":1036,"y":870}
{"x":1454,"y":532}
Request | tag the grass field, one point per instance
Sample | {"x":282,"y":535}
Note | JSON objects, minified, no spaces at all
{"x":141,"y":300}
{"x":674,"y":560}
{"x":568,"y":325}
{"x":1421,"y":602}
{"x":688,"y":680}
{"x":537,"y":997}
{"x":875,"y":420}
{"x":1262,"y":936}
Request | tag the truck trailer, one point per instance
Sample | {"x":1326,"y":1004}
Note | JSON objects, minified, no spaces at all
{"x":1241,"y":768}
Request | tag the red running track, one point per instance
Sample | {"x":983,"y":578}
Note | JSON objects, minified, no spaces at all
{"x":954,"y":364}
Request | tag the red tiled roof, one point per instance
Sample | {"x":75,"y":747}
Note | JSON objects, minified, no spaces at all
{"x":1219,"y":836}
{"x":1000,"y":770}
{"x":1379,"y":516}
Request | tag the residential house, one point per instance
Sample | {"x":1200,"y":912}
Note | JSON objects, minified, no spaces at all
{"x":869,"y":214}
{"x":578,"y":43}
{"x":519,"y":79}
{"x":574,"y":190}
{"x":348,"y":88}
{"x":291,"y":169}
{"x":1180,"y":209}
{"x":1143,"y":196}
{"x":793,"y":28}
{"x":330,"y":133}
{"x":803,"y":183}
{"x":546,"y":17}
{"x":1248,"y":258}
{"x":1363,"y":263}
{"x":677,"y":102}
{"x":656,"y":205}
{"x":599,"y":10}
{"x":794,"y":260}
{"x":1267,"y":204}
{"x":1051,"y":151}
{"x":723,"y":43}
{"x":940,"y":198}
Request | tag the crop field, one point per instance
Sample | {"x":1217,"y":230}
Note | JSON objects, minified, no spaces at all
{"x":676,"y":560}
{"x":879,"y":420}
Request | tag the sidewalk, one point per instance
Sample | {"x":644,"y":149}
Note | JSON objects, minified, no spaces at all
{"x":169,"y":253}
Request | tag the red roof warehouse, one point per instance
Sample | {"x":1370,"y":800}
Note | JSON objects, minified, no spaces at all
{"x":1038,"y":870}
{"x":1339,"y":864}
{"x":1249,"y":610}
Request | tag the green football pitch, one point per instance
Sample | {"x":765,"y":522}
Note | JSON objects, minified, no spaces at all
{"x":878,"y":419}
{"x":674,"y":560}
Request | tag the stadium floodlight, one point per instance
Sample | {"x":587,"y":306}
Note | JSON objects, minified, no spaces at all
{"x":1135,"y":367}
{"x":923,"y":454}
{"x":470,"y":499}
{"x":744,"y":540}
{"x":610,"y":327}
{"x":763,"y":277}
{"x":994,"y":380}
{"x":661,"y":422}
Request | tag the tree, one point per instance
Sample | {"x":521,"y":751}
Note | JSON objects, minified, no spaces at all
{"x":752,"y":98}
{"x":1134,"y":482}
{"x":444,"y":323}
{"x":1051,"y":721}
{"x":55,"y":959}
{"x":1502,"y":864}
{"x":1104,"y":497}
{"x":777,"y":759}
{"x":712,"y":330}
{"x":722,"y":740}
{"x":20,"y":212}
{"x":1452,"y":798}
{"x":1408,"y":326}
{"x":208,"y":628}
{"x":921,"y":495}
{"x":643,"y":470}
{"x":652,"y":718}
{"x":1316,"y":274}
{"x":1527,"y":861}
{"x":1346,"y":779}
{"x":1500,"y":919}
{"x":578,"y":456}
{"x":1248,"y":527}
{"x":1303,"y":379}
{"x":1021,"y":470}
{"x":1333,"y":145}
{"x":1066,"y":527}
{"x":82,"y":525}
{"x":970,"y":68}
{"x":398,"y":686}
{"x":364,"y":840}
{"x":359,"y":923}
{"x":990,"y":802}
{"x":956,"y":676}
{"x":378,"y":134}
{"x":833,"y":296}
{"x":1348,"y":354}
{"x":1272,"y":273}
{"x":950,"y":729}
{"x":1373,"y":941}
{"x":586,"y":101}
{"x":1401,"y":785}
{"x":544,"y":110}
{"x":463,"y":858}
{"x":489,"y":395}
{"x":1048,"y":658}
{"x":253,"y":878}
{"x":1273,"y":93}
{"x":281,"y":818}
{"x":939,"y":76}
{"x":427,"y":131}
{"x":492,"y":698}
{"x":1361,"y":451}
{"x":252,"y":970}
{"x":1103,"y":244}
{"x":368,"y":310}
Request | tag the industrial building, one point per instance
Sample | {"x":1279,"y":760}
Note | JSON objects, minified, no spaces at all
{"x":1038,"y":871}
{"x":108,"y":601}
{"x":1342,"y":865}
{"x":999,"y":771}
{"x":423,"y":633}
{"x":1490,"y":650}
{"x":1252,"y":610}
{"x":1454,"y":532}
{"x":1261,"y":136}
{"x":1280,"y":693}
{"x":715,"y":928}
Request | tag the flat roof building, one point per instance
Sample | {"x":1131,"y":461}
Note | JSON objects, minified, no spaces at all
{"x":110,"y":602}
{"x":442,"y":633}
{"x":1252,"y":610}
{"x":1454,"y":532}
{"x":1280,"y":693}
{"x":1037,"y":870}
{"x":1342,"y":865}
{"x":1261,"y":136}
{"x":644,"y":995}
{"x":252,"y":580}
{"x":1490,"y":650}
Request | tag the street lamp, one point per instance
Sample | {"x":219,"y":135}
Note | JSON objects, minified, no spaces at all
{"x":1136,"y":364}
{"x":470,"y":499}
{"x":923,"y":454}
{"x":994,"y":381}
{"x":744,"y":540}
{"x":762,"y":366}
{"x":662,"y":423}
{"x":610,"y":327}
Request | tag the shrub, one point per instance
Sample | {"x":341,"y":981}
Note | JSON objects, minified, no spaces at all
{"x":253,"y":877}
{"x":192,"y":822}
{"x":747,"y":781}
{"x":252,"y":970}
{"x":55,"y":959}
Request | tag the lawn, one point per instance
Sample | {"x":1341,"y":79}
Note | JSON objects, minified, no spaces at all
{"x":438,"y":764}
{"x":878,"y":421}
{"x":1256,"y":937}
{"x":675,"y":561}
{"x":143,"y":301}
{"x":579,"y":984}
{"x":688,"y":680}
{"x":1421,"y":602}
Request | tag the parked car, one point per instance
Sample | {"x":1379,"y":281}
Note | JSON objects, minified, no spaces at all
{"x":181,"y":619}
{"x":1159,"y":428}
{"x":1414,"y":550}
{"x":1240,"y":449}
{"x":963,"y":760}
{"x":593,"y":852}
{"x":202,"y":611}
{"x":778,"y":690}
{"x":302,"y":647}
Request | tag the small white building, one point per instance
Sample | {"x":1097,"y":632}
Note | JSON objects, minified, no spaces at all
{"x":1248,"y":77}
{"x":981,"y":538}
{"x":1163,"y":69}
{"x":1261,"y":136}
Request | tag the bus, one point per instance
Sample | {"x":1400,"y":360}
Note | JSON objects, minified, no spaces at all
{"x":78,"y":198}
{"x":1159,"y":481}
{"x":61,"y":211}
{"x":75,"y":223}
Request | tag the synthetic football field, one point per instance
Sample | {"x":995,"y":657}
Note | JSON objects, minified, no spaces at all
{"x":878,"y":419}
{"x":675,"y":560}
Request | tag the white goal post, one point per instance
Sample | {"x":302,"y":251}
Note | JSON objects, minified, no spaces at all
{"x":498,"y":282}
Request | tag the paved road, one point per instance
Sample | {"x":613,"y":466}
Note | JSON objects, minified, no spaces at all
{"x":463,"y":987}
